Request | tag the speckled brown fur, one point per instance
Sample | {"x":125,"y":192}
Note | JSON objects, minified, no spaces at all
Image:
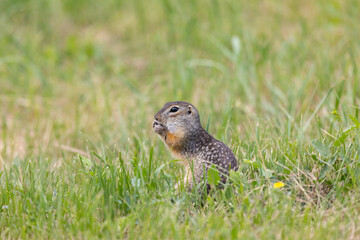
{"x":184,"y":136}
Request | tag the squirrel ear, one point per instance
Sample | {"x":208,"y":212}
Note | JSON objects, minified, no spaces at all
{"x":190,"y":110}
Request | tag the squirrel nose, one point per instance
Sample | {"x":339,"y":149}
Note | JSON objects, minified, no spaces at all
{"x":157,"y":117}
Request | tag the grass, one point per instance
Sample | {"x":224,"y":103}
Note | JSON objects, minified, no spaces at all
{"x":80,"y":82}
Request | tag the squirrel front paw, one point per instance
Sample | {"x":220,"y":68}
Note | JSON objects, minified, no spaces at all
{"x":159,"y":128}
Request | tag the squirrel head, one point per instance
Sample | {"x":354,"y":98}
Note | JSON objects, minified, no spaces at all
{"x":176,"y":121}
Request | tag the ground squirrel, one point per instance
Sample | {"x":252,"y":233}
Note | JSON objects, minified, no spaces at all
{"x":178,"y":125}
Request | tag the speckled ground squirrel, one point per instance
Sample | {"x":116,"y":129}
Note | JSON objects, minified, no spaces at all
{"x":178,"y":125}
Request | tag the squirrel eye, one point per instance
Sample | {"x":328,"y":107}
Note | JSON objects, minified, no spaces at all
{"x":174,"y":109}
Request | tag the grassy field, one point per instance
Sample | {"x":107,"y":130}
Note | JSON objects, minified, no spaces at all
{"x":80,"y":82}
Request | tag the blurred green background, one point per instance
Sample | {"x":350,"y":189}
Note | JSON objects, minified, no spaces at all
{"x":72,"y":70}
{"x":277,"y":81}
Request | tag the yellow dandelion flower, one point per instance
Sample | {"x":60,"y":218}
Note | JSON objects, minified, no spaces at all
{"x":279,"y":184}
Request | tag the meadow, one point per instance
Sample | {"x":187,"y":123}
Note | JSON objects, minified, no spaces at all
{"x":80,"y":82}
